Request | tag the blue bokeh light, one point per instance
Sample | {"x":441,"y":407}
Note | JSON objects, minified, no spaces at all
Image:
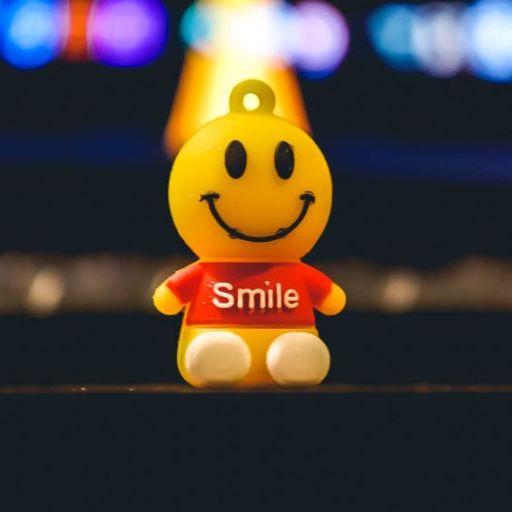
{"x":31,"y":32}
{"x":390,"y":29}
{"x":197,"y":27}
{"x":489,"y":40}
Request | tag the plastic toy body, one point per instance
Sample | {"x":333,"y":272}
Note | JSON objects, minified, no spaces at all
{"x":250,"y":194}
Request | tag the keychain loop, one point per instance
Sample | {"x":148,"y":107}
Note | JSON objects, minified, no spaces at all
{"x":252,"y":97}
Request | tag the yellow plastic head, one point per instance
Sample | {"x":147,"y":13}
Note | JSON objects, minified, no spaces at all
{"x":250,"y":186}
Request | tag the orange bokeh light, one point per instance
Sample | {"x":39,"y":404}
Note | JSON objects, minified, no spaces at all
{"x":76,"y":46}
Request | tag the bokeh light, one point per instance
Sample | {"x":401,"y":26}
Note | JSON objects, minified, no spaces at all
{"x":197,"y":27}
{"x":390,"y":29}
{"x":256,"y":29}
{"x":445,"y":39}
{"x":438,"y":39}
{"x":76,"y":21}
{"x":489,"y":38}
{"x":31,"y":32}
{"x":322,"y":38}
{"x":127,"y":32}
{"x":312,"y":35}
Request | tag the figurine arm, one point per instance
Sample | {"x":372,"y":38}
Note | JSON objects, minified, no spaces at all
{"x":165,"y":301}
{"x":334,"y":302}
{"x":170,"y":297}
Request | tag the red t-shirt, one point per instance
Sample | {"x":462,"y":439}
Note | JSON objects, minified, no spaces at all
{"x":257,"y":294}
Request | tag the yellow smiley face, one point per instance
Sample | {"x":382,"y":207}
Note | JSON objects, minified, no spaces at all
{"x":250,"y":186}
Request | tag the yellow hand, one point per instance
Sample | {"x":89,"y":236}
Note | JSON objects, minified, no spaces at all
{"x":334,"y":302}
{"x":165,"y":301}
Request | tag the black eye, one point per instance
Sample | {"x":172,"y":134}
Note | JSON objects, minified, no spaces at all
{"x":284,"y":160}
{"x":235,"y":159}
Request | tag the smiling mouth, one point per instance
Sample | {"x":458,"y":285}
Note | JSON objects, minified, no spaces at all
{"x":308,"y":198}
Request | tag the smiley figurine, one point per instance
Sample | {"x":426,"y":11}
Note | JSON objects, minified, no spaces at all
{"x":250,"y":194}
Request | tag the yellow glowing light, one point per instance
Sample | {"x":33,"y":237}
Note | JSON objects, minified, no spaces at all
{"x":242,"y":45}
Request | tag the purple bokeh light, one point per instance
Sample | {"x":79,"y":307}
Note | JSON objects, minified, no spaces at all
{"x":322,"y":38}
{"x":127,"y":32}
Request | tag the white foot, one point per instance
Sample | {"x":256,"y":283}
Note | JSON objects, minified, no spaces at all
{"x":217,"y":359}
{"x":298,"y":359}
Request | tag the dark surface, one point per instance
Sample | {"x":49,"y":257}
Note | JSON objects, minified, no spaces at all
{"x":257,"y":452}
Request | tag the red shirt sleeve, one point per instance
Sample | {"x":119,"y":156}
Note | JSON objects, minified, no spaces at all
{"x":317,"y":283}
{"x":184,"y":282}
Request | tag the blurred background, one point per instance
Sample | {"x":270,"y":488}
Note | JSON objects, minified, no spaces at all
{"x":410,"y":103}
